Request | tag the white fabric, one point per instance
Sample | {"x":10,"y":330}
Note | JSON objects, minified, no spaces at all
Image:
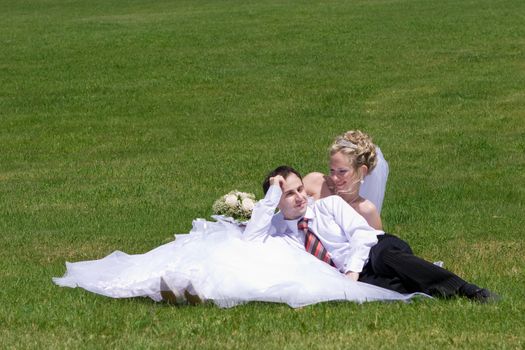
{"x":343,"y":232}
{"x":215,"y":262}
{"x":374,"y":185}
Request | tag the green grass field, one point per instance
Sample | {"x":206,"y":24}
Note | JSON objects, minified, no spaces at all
{"x":121,"y":121}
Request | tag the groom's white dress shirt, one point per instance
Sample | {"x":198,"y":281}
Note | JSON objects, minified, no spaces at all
{"x":344,"y":233}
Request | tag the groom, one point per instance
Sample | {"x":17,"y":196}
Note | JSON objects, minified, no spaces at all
{"x":334,"y":232}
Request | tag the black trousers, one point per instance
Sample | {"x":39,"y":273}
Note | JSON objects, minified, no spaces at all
{"x":393,"y":265}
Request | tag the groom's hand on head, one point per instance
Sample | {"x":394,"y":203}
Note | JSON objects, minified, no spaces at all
{"x":277,"y":180}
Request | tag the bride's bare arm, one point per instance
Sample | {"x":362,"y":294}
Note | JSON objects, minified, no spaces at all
{"x":368,"y":210}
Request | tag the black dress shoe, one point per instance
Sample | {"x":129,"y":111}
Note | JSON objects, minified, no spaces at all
{"x":483,"y":295}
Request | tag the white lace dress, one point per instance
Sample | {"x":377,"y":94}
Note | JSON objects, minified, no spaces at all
{"x":214,"y":262}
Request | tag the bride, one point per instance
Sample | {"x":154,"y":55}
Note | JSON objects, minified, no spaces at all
{"x":358,"y":174}
{"x":215,"y":263}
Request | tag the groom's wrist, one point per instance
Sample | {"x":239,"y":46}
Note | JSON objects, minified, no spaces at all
{"x":352,"y":275}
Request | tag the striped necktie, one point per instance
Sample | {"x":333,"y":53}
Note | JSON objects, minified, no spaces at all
{"x":312,"y":244}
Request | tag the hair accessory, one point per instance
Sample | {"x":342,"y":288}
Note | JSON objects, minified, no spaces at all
{"x":346,"y":143}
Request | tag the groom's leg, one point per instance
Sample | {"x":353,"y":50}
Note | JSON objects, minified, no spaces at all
{"x":374,"y":273}
{"x":393,"y":258}
{"x":392,"y":283}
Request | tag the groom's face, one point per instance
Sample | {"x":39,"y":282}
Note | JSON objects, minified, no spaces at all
{"x":293,"y":201}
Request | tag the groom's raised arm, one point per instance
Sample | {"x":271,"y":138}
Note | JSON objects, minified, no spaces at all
{"x":260,"y":224}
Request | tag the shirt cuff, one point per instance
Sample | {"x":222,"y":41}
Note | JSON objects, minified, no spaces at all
{"x":355,"y":265}
{"x":273,"y":196}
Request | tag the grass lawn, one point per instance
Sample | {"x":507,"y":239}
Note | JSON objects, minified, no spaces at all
{"x":121,"y":121}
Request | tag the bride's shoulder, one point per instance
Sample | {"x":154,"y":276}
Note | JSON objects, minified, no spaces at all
{"x":313,"y":183}
{"x":318,"y":185}
{"x":314,"y":177}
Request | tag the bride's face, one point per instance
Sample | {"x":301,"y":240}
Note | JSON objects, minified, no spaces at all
{"x":293,"y":201}
{"x":342,"y":173}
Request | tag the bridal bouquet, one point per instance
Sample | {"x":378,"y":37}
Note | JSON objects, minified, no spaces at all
{"x":238,"y":205}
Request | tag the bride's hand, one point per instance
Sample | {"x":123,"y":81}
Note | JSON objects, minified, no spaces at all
{"x":277,"y":180}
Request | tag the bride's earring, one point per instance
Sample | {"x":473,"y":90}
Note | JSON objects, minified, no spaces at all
{"x":361,"y":178}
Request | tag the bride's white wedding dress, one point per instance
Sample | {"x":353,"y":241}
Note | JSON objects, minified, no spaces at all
{"x":214,"y":262}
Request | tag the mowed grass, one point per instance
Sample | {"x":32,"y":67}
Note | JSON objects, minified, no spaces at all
{"x":121,"y":121}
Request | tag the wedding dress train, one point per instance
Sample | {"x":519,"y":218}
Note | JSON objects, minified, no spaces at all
{"x":215,"y":263}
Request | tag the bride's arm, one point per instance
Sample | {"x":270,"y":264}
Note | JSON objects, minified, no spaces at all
{"x":368,"y":210}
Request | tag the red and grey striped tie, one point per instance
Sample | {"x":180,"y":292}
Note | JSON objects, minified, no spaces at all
{"x":312,"y":244}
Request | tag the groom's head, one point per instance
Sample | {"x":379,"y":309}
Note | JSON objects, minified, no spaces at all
{"x":293,"y":202}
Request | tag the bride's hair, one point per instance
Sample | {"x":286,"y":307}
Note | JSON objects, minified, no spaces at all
{"x":358,"y":147}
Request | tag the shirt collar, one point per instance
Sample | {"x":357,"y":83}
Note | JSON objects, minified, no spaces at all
{"x":309,"y":213}
{"x":291,"y":225}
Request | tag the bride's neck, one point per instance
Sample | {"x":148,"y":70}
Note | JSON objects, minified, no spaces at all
{"x":350,"y":197}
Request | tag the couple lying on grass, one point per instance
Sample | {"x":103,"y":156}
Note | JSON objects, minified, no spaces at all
{"x":324,"y":243}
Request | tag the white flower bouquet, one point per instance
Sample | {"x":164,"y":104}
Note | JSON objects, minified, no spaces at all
{"x":237,"y":205}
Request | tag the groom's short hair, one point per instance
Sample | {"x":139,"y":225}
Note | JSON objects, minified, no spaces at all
{"x":284,"y":171}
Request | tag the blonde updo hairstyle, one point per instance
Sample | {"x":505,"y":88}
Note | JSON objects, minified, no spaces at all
{"x":358,"y":147}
